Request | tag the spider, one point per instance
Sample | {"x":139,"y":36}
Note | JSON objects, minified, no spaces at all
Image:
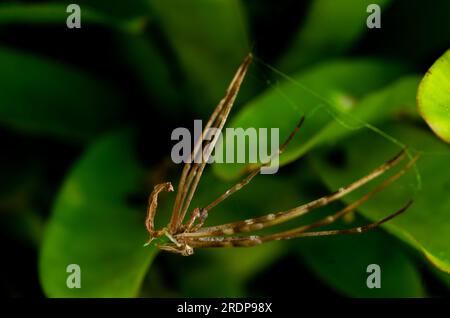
{"x":182,"y":238}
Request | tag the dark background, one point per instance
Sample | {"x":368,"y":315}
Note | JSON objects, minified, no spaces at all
{"x":414,"y":31}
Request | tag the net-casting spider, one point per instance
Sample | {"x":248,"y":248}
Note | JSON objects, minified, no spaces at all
{"x":184,"y":237}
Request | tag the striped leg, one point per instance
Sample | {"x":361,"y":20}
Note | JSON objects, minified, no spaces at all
{"x":253,"y":240}
{"x":281,"y":217}
{"x":191,"y":174}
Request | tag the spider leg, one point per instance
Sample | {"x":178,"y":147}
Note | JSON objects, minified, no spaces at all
{"x":153,"y":204}
{"x":332,"y":218}
{"x":201,"y":216}
{"x":184,"y":250}
{"x":248,"y":241}
{"x":217,"y":120}
{"x":195,"y":215}
{"x":283,"y":216}
{"x":189,"y":170}
{"x":255,"y":172}
{"x":353,"y":206}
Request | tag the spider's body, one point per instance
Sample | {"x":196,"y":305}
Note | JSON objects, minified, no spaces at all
{"x":182,"y":237}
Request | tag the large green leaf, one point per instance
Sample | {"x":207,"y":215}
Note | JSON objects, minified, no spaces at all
{"x":337,"y":87}
{"x":331,"y":27}
{"x":92,"y":226}
{"x":210,"y":40}
{"x":45,"y":97}
{"x":434,"y":97}
{"x":397,"y":100}
{"x":426,"y":224}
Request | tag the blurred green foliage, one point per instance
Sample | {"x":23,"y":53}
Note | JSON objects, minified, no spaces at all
{"x":330,"y":29}
{"x":86,"y":117}
{"x":93,"y":224}
{"x":67,"y":103}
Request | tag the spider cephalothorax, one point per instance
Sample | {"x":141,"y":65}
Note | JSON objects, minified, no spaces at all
{"x":182,"y":237}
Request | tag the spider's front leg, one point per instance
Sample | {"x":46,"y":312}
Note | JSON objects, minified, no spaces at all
{"x":151,"y":210}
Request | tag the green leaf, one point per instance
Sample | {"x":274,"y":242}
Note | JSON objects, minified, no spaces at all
{"x":426,"y":224}
{"x":92,"y":226}
{"x":210,"y":40}
{"x":56,"y":13}
{"x":397,"y":100}
{"x":67,"y":103}
{"x":331,"y":28}
{"x":434,"y":97}
{"x":339,"y":86}
{"x":342,"y":261}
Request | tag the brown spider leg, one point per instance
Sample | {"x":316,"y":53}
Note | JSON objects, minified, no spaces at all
{"x":196,"y":169}
{"x":195,"y":214}
{"x":204,"y":212}
{"x":248,"y":241}
{"x":189,"y":173}
{"x":193,"y":176}
{"x":153,"y":204}
{"x":283,"y":216}
{"x":189,"y":170}
{"x":353,"y":206}
{"x":227,"y":104}
{"x":332,"y":218}
{"x":255,"y":172}
{"x":202,"y":218}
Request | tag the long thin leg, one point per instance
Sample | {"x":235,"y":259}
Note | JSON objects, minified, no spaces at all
{"x":189,"y":170}
{"x":247,"y":241}
{"x":332,"y":218}
{"x":255,"y":172}
{"x":281,"y":217}
{"x":225,"y":107}
{"x":353,"y":206}
{"x":192,"y":175}
{"x":204,"y":212}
